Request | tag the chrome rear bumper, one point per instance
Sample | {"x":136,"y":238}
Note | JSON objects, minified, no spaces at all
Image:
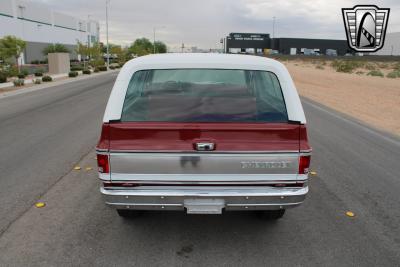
{"x":205,"y":200}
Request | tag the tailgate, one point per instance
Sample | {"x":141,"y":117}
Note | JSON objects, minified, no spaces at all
{"x":241,"y":152}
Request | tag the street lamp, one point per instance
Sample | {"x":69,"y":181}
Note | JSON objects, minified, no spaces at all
{"x":154,"y":37}
{"x":108,"y":52}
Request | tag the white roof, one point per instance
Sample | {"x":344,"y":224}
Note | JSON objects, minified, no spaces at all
{"x":198,"y":61}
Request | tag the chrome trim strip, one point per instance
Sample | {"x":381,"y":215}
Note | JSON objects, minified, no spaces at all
{"x":191,"y":182}
{"x":205,"y":152}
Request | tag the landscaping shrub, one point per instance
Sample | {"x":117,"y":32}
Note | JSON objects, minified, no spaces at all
{"x":21,"y":76}
{"x":25,"y":72}
{"x":44,"y":61}
{"x":393,"y":74}
{"x":37,"y":81}
{"x":375,"y":73}
{"x":87,"y":72}
{"x":19,"y":82}
{"x":35,"y":62}
{"x":320,"y":67}
{"x":359,"y":73}
{"x":3,"y":77}
{"x":112,"y":67}
{"x":38,"y":73}
{"x":76,"y":68}
{"x":96,"y":70}
{"x":102,"y":68}
{"x":12,"y":71}
{"x":72,"y":74}
{"x":47,"y":78}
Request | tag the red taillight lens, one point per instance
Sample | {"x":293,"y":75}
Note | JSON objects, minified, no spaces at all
{"x":304,"y":164}
{"x":102,"y":163}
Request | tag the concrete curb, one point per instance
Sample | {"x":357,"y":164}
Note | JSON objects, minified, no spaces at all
{"x":55,"y":83}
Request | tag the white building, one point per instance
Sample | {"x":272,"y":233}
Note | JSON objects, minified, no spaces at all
{"x":391,"y":46}
{"x":40,"y":26}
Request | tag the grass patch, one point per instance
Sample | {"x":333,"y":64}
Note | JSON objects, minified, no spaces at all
{"x":346,"y":66}
{"x":393,"y":74}
{"x":375,"y":73}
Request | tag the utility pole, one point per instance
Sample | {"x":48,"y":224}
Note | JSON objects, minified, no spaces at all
{"x":154,"y":40}
{"x":108,"y":52}
{"x":273,"y":27}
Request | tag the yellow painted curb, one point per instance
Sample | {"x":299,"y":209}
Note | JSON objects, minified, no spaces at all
{"x":350,"y":214}
{"x":77,"y":168}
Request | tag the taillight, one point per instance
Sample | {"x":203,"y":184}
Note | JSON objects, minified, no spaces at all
{"x":102,"y":163}
{"x":304,"y":164}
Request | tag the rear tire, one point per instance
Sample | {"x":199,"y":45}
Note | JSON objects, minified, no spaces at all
{"x":129,"y":213}
{"x":271,"y":214}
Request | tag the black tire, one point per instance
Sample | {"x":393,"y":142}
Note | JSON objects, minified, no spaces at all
{"x":271,"y":214}
{"x":129,"y":213}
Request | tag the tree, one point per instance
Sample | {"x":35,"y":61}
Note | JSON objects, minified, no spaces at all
{"x":12,"y":47}
{"x":160,"y":47}
{"x":82,"y":49}
{"x":55,"y":48}
{"x":141,"y":47}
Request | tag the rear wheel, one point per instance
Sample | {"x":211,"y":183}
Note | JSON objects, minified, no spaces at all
{"x":130,"y":213}
{"x":271,"y":214}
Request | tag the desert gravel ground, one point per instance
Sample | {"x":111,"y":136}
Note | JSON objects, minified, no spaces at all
{"x":373,"y":100}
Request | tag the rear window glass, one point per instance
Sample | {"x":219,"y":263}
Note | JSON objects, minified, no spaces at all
{"x":204,"y":95}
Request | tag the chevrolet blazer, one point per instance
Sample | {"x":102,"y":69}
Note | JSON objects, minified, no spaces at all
{"x":204,"y":133}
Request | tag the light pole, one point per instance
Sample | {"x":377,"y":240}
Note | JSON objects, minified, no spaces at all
{"x":273,"y":27}
{"x":108,"y":52}
{"x":154,"y":37}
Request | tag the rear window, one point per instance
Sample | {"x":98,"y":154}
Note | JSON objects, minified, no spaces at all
{"x":204,"y":95}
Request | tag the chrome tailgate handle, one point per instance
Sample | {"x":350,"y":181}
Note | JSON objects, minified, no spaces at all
{"x":205,"y":146}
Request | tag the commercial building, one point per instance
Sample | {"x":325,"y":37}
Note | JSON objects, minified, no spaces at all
{"x":391,"y":46}
{"x":40,"y":26}
{"x":257,"y":43}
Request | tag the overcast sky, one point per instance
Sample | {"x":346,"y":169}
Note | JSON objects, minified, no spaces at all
{"x":203,"y":23}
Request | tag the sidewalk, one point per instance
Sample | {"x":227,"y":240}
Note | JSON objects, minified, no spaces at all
{"x":31,"y":88}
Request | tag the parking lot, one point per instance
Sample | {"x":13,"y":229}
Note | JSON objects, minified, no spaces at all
{"x":46,"y":133}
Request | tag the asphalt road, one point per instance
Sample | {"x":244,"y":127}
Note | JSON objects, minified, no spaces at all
{"x":45,"y":133}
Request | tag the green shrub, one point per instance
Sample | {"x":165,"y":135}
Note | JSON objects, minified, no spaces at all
{"x":375,"y":73}
{"x":359,"y":73}
{"x":102,"y":68}
{"x":112,"y":67}
{"x":96,"y":70}
{"x":72,"y":74}
{"x":86,"y":72}
{"x":12,"y":71}
{"x":38,"y":73}
{"x":19,"y":82}
{"x":35,"y":62}
{"x":25,"y":72}
{"x":76,"y":68}
{"x":393,"y":74}
{"x":47,"y":78}
{"x":320,"y":67}
{"x":21,"y":76}
{"x":37,"y":81}
{"x":346,"y":66}
{"x":98,"y":63}
{"x":3,"y":77}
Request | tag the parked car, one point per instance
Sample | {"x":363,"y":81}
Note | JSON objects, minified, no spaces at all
{"x":204,"y":133}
